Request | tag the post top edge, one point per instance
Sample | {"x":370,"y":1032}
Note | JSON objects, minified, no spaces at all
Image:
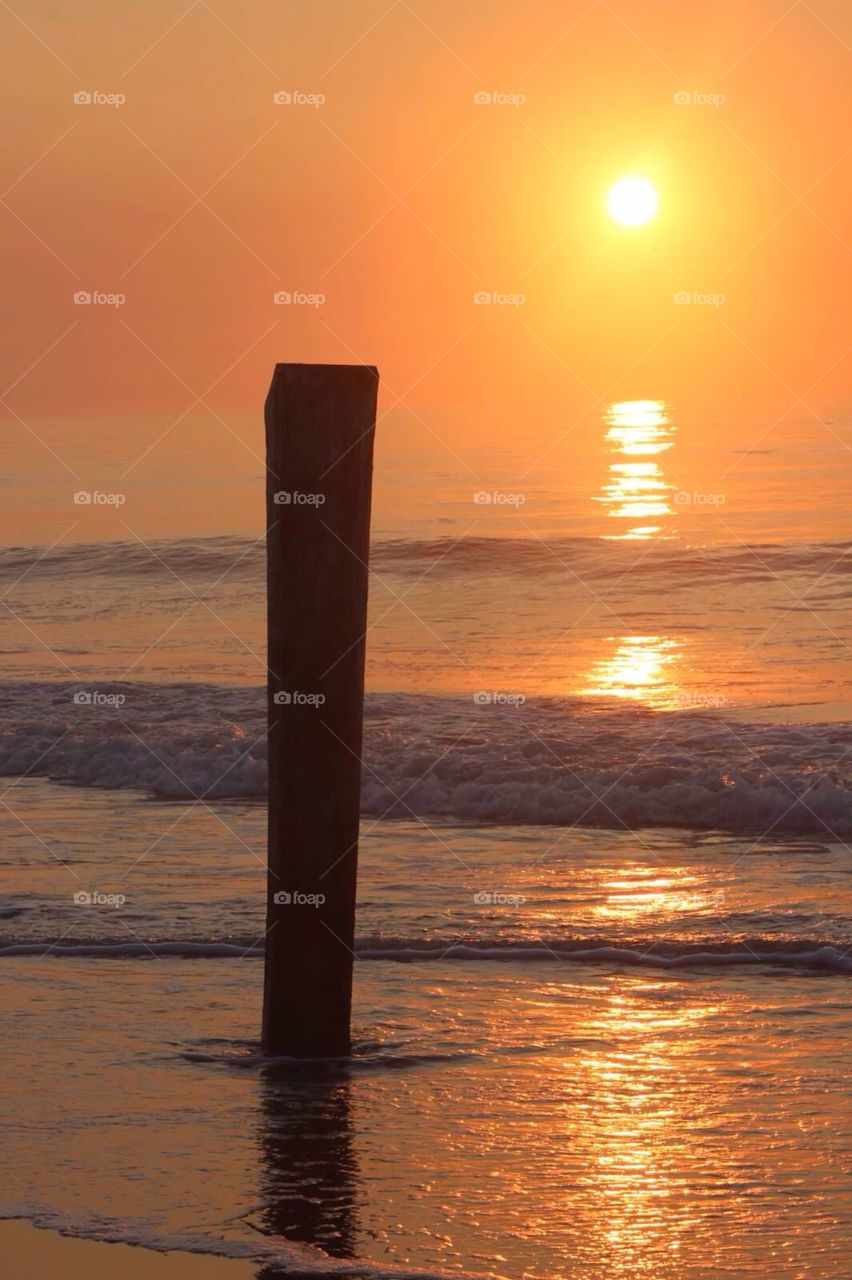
{"x":285,"y":366}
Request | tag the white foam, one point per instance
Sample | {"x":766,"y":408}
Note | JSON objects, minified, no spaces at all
{"x":552,"y":761}
{"x":287,"y":1256}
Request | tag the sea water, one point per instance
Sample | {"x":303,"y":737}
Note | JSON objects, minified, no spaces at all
{"x":604,"y":932}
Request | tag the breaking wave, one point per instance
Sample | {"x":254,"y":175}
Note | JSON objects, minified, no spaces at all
{"x":549,"y":762}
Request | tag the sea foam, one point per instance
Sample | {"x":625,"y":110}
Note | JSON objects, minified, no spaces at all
{"x":550,"y":761}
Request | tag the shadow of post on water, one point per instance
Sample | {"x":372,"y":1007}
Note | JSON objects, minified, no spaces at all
{"x":309,"y":1168}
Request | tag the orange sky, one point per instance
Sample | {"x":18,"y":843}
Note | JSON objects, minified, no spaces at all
{"x":754,"y":201}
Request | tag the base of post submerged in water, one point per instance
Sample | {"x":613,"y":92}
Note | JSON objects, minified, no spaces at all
{"x":320,"y":424}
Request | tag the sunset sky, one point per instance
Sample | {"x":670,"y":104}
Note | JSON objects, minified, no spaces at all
{"x":399,"y":197}
{"x":568,"y":655}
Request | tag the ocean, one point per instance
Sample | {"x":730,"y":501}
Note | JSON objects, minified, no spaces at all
{"x":604,"y":933}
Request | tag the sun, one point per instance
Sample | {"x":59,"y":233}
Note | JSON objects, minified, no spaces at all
{"x":632,"y":201}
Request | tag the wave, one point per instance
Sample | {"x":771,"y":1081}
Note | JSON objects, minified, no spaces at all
{"x":812,"y":954}
{"x":298,"y":1260}
{"x":555,"y":762}
{"x":605,"y":557}
{"x":243,"y":559}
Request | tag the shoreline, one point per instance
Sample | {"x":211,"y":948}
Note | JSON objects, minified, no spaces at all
{"x":30,"y":1252}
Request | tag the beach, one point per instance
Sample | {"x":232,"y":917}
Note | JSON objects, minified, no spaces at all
{"x":425,"y":663}
{"x":604,"y":916}
{"x":672,"y":1067}
{"x":28,"y":1253}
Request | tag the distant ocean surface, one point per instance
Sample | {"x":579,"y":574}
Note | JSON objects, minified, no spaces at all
{"x":604,"y":933}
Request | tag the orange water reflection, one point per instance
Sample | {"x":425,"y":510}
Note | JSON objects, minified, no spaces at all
{"x":641,"y":667}
{"x":639,"y":431}
{"x":644,"y":1097}
{"x":638,"y":893}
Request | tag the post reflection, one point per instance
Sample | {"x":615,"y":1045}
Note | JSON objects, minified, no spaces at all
{"x":309,"y":1169}
{"x":639,"y":431}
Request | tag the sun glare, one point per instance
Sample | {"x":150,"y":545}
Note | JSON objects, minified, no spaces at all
{"x":632,"y":201}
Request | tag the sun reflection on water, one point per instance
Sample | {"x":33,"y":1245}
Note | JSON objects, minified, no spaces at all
{"x":637,"y":893}
{"x":639,"y":431}
{"x":641,"y":1108}
{"x":641,"y":668}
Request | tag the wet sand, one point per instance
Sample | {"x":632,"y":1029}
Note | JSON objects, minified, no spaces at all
{"x":29,"y":1254}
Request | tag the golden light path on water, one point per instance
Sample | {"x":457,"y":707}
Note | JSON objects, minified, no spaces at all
{"x":637,"y":892}
{"x":636,"y":1147}
{"x":637,"y":1093}
{"x":639,"y":431}
{"x":641,"y":667}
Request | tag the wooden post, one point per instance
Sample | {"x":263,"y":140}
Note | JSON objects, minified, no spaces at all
{"x":320,"y":423}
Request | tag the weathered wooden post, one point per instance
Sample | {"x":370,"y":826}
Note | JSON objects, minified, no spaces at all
{"x":320,"y":423}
